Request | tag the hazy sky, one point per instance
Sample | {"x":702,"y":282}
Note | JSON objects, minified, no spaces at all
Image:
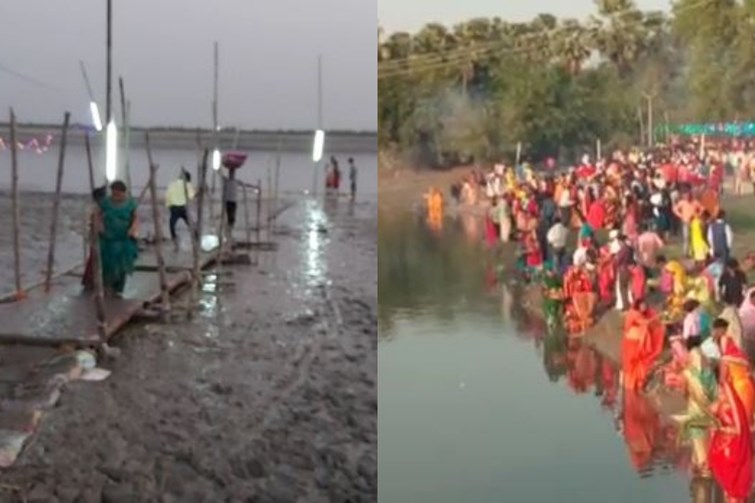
{"x":410,"y":15}
{"x":163,"y":49}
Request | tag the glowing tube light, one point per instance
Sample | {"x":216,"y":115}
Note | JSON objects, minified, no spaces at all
{"x":318,"y":145}
{"x":216,"y":159}
{"x":111,"y":158}
{"x":95,"y":116}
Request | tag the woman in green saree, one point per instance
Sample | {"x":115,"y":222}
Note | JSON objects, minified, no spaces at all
{"x":552,"y":297}
{"x":118,"y":232}
{"x":697,"y":420}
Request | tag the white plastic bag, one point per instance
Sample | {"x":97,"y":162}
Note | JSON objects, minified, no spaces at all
{"x":95,"y":374}
{"x":11,"y":443}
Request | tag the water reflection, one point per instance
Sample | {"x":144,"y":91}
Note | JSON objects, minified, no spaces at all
{"x":447,"y":278}
{"x":316,"y":228}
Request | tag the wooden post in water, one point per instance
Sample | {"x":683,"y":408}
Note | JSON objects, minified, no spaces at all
{"x":125,"y":109}
{"x":56,"y":203}
{"x":165,"y":294}
{"x":277,"y":183}
{"x":16,"y":208}
{"x":248,"y":229}
{"x":200,"y":202}
{"x":269,"y":202}
{"x":259,"y":209}
{"x":194,"y":250}
{"x":94,"y":243}
{"x":202,"y":182}
{"x":89,"y":162}
{"x":221,"y":234}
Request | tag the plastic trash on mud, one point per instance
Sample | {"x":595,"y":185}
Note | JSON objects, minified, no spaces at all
{"x":86,"y":360}
{"x":95,"y":374}
{"x":209,"y":243}
{"x":11,"y":443}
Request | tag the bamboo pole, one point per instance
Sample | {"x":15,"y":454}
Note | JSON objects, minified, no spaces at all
{"x":89,"y":162}
{"x":109,"y":62}
{"x":269,"y":201}
{"x":194,"y":251}
{"x":16,"y":208}
{"x":165,"y":293}
{"x":221,"y":231}
{"x":125,"y":113}
{"x":598,"y":150}
{"x":248,"y":229}
{"x":259,"y":209}
{"x":85,"y":235}
{"x":56,"y":203}
{"x":277,"y":183}
{"x":202,"y":192}
{"x":518,"y":153}
{"x":94,"y":244}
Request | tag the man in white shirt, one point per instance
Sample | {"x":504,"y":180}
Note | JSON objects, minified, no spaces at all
{"x":556,"y":237}
{"x":176,"y":201}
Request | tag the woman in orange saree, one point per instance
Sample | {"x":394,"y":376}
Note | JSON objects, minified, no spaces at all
{"x":730,"y":455}
{"x":738,"y":368}
{"x":641,"y":346}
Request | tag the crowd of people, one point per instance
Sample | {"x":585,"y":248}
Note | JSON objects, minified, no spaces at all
{"x":602,"y":236}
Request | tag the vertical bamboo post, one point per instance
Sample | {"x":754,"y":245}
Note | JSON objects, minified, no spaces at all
{"x":268,"y":210}
{"x":194,"y":250}
{"x":248,"y":229}
{"x":85,"y":235}
{"x":90,"y":163}
{"x":202,"y":192}
{"x":94,"y":243}
{"x":56,"y":203}
{"x":277,"y":183}
{"x":221,"y":232}
{"x":259,"y":209}
{"x":598,"y":150}
{"x":16,"y":208}
{"x":165,"y":294}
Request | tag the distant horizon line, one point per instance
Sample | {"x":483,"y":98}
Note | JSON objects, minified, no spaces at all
{"x":297,"y":131}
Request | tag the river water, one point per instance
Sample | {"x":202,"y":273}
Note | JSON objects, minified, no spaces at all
{"x":37,"y":172}
{"x":477,"y":403}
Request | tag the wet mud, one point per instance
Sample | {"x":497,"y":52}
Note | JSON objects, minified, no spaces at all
{"x":268,"y":395}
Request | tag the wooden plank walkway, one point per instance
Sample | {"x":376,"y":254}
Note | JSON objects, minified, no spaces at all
{"x":67,"y":314}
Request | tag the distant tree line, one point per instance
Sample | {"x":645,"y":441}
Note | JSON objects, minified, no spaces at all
{"x":448,"y":95}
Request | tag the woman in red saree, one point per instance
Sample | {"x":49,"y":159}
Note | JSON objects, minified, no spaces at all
{"x":641,"y":345}
{"x":730,"y":455}
{"x":534,"y":254}
{"x":581,"y":299}
{"x":596,"y":214}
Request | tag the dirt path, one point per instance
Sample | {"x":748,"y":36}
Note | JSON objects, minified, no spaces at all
{"x":268,"y":396}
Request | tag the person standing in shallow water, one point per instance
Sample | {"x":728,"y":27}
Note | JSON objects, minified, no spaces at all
{"x":118,"y":232}
{"x":230,"y":197}
{"x":177,"y":202}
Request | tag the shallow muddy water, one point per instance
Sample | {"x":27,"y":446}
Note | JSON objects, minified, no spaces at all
{"x":478,"y":403}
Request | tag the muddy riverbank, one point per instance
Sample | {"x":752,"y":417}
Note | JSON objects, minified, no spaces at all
{"x":269,"y":395}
